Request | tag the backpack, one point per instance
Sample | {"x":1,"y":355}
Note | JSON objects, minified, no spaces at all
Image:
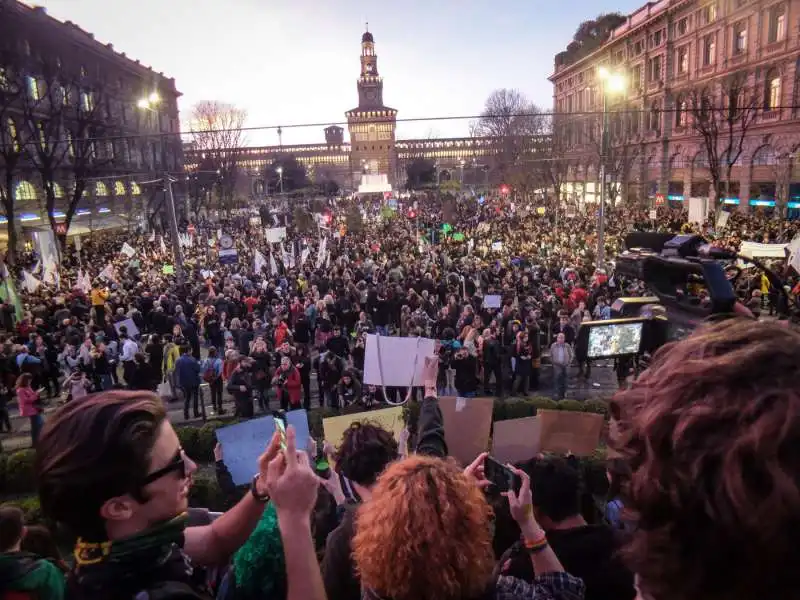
{"x":210,"y":371}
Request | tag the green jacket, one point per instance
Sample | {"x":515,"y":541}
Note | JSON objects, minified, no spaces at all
{"x":25,"y":572}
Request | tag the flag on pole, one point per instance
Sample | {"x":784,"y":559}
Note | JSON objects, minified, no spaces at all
{"x":128,"y":250}
{"x":29,"y":283}
{"x":84,"y":282}
{"x":37,"y":267}
{"x":107,"y":273}
{"x":8,"y":292}
{"x":259,"y":262}
{"x":273,"y":266}
{"x":304,"y":256}
{"x":323,"y":244}
{"x":163,"y":246}
{"x":152,"y":236}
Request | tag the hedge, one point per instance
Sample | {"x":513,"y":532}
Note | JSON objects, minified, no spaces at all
{"x":17,"y":468}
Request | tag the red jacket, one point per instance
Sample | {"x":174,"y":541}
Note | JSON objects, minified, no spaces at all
{"x":293,"y":385}
{"x":281,"y":333}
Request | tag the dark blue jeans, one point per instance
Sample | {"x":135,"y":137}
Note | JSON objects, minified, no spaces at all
{"x":37,"y":422}
{"x":559,"y":381}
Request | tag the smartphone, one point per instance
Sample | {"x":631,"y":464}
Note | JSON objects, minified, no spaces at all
{"x":503,"y":478}
{"x":280,"y":426}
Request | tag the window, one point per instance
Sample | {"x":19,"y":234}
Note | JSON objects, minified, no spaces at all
{"x":87,"y":101}
{"x":654,"y":69}
{"x":681,"y":108}
{"x":58,"y":191}
{"x":70,"y":143}
{"x":34,"y":90}
{"x":24,"y":192}
{"x":777,"y":24}
{"x":764,"y":157}
{"x":638,"y":47}
{"x":135,"y":189}
{"x":119,"y":188}
{"x":655,"y":117}
{"x":683,"y":26}
{"x":740,"y":37}
{"x":100,"y":189}
{"x":708,"y":14}
{"x":12,"y":135}
{"x":41,"y":126}
{"x":657,"y":38}
{"x":772,"y":96}
{"x":3,"y":78}
{"x":682,"y":60}
{"x":636,"y":77}
{"x":709,"y":50}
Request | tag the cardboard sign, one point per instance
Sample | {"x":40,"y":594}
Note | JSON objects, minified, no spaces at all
{"x":467,"y":422}
{"x":396,"y":361}
{"x":391,"y":419}
{"x":299,"y":420}
{"x":133,"y":330}
{"x":565,"y":431}
{"x":492,"y":301}
{"x":516,"y":440}
{"x":275,"y":235}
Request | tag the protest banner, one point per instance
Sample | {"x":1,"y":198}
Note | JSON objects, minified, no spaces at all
{"x":492,"y":301}
{"x":756,"y":250}
{"x":396,"y":361}
{"x":133,"y":330}
{"x":516,"y":440}
{"x":128,"y":250}
{"x":242,"y":444}
{"x":275,"y":235}
{"x":467,"y":423}
{"x":168,"y":269}
{"x":565,"y":431}
{"x":391,"y":419}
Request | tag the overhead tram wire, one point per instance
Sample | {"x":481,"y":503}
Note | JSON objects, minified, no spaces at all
{"x":552,"y":114}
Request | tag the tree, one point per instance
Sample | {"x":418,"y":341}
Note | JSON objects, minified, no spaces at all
{"x":353,"y":219}
{"x":420,"y":172}
{"x":11,"y":144}
{"x":589,"y":36}
{"x":722,"y":114}
{"x":553,"y":163}
{"x":216,"y":129}
{"x":68,"y":126}
{"x":517,"y":127}
{"x":292,"y":177}
{"x":302,"y":219}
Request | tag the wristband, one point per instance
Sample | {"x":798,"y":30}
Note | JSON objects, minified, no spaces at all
{"x":535,"y":546}
{"x":254,"y":491}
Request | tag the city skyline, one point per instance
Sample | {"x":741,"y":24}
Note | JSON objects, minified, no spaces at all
{"x":455,"y":60}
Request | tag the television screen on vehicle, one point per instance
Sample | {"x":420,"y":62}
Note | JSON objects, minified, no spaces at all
{"x":615,"y":339}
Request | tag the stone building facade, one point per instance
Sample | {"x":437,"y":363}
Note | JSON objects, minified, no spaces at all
{"x":670,"y":53}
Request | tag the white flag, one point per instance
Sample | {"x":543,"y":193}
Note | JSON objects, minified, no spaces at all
{"x":152,"y":236}
{"x":259,"y":263}
{"x":304,"y":256}
{"x":128,"y":250}
{"x":288,"y":259}
{"x":37,"y":267}
{"x":163,"y":246}
{"x":29,"y":283}
{"x":323,"y":244}
{"x":273,"y":266}
{"x":84,"y":282}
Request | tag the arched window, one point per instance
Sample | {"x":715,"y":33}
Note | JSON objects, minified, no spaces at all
{"x":681,"y":108}
{"x":58,"y":191}
{"x":135,"y":189}
{"x":655,"y":117}
{"x":24,"y":191}
{"x":119,"y":188}
{"x":100,"y":189}
{"x":763,"y":157}
{"x":701,"y":160}
{"x":772,"y":92}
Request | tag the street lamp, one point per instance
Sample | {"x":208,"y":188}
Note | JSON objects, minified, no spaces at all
{"x":151,"y":103}
{"x":279,"y":171}
{"x":461,"y":165}
{"x":611,"y":83}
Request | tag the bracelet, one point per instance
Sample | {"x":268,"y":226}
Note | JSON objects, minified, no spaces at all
{"x":254,"y":492}
{"x":535,"y":546}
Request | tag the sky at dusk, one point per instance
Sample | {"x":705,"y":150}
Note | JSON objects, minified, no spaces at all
{"x":297,"y":62}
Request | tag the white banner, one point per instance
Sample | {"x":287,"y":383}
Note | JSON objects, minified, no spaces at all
{"x":128,"y":250}
{"x":698,"y":210}
{"x":259,"y":262}
{"x":755,"y":250}
{"x":275,"y":235}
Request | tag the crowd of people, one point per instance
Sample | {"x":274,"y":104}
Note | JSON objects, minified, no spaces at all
{"x":504,"y":290}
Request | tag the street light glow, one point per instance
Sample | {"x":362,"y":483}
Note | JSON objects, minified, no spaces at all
{"x":615,"y":83}
{"x":154,"y":98}
{"x":279,"y":170}
{"x":603,"y":73}
{"x":143,"y":103}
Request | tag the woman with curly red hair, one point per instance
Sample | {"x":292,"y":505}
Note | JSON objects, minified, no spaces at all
{"x":425,"y":535}
{"x":711,"y":432}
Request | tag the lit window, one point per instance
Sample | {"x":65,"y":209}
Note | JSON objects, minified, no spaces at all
{"x":58,"y":191}
{"x":24,"y":192}
{"x":87,"y":101}
{"x":12,"y":134}
{"x":70,"y":144}
{"x":119,"y":188}
{"x":709,"y":50}
{"x":777,"y":24}
{"x":773,"y":95}
{"x":135,"y":188}
{"x":680,"y":112}
{"x":683,"y":60}
{"x":740,"y":38}
{"x":33,"y":88}
{"x":100,"y":189}
{"x":42,"y":134}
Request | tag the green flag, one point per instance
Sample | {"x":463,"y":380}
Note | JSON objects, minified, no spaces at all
{"x":8,"y":292}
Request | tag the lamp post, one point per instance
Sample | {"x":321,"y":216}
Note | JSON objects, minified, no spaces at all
{"x":461,"y":166}
{"x":150,"y":104}
{"x":610,"y":83}
{"x":279,"y":171}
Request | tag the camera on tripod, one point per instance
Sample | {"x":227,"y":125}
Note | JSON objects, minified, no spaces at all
{"x":688,"y":282}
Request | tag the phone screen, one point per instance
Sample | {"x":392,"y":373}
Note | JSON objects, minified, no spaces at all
{"x":281,"y":427}
{"x":501,"y":476}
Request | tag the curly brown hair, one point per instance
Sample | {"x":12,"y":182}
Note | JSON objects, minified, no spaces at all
{"x":712,"y":435}
{"x":424,"y":534}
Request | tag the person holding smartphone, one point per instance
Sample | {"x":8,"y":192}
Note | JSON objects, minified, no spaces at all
{"x":30,"y":405}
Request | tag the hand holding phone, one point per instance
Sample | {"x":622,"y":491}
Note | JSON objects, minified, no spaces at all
{"x":501,"y":476}
{"x":280,"y":427}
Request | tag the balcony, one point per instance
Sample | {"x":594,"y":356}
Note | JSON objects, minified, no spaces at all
{"x":770,"y":115}
{"x":739,"y":58}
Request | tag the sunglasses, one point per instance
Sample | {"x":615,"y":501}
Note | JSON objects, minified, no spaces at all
{"x":177,"y":464}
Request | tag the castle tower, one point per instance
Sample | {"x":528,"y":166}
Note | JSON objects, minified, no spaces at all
{"x":372,"y":124}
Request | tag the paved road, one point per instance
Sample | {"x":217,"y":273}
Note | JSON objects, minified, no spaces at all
{"x":601,"y":385}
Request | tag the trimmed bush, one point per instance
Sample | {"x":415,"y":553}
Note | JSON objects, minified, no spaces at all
{"x":206,"y":493}
{"x":596,"y":406}
{"x":572,"y":405}
{"x":20,"y":474}
{"x":206,"y":440}
{"x":3,"y":462}
{"x":545,"y":403}
{"x":518,"y":410}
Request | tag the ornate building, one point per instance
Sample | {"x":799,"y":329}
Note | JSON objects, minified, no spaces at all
{"x":677,"y":57}
{"x":372,"y":149}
